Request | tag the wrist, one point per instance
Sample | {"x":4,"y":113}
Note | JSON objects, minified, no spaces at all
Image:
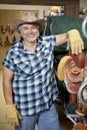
{"x":11,"y":105}
{"x":67,"y":37}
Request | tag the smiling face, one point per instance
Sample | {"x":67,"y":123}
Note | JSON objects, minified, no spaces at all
{"x":29,"y":32}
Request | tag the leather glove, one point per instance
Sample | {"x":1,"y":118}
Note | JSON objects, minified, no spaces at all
{"x":13,"y":115}
{"x":75,"y":41}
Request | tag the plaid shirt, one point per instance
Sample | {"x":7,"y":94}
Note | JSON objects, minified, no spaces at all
{"x":34,"y":84}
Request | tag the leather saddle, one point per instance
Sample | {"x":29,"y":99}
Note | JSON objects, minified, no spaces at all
{"x":75,"y":72}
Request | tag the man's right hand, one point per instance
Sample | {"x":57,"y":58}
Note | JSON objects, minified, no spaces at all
{"x":13,"y":115}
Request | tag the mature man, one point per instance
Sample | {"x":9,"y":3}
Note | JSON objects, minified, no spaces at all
{"x":29,"y":82}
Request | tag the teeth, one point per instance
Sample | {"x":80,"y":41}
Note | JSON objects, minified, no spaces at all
{"x":30,"y":35}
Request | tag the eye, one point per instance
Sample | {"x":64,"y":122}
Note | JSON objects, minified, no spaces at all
{"x":34,"y":27}
{"x":25,"y":28}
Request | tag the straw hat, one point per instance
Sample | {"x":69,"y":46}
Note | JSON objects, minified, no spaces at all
{"x":60,"y":68}
{"x":30,"y":18}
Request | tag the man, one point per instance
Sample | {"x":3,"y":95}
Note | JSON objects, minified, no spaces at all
{"x":29,"y":82}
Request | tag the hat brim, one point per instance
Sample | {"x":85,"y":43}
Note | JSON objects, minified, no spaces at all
{"x":19,"y":22}
{"x":60,"y":68}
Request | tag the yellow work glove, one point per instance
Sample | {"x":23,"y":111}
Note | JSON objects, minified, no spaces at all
{"x":75,"y":41}
{"x":13,"y":115}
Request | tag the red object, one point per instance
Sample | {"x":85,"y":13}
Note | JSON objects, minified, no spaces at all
{"x":80,"y":126}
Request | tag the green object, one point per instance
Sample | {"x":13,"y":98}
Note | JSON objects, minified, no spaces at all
{"x":59,"y":25}
{"x":62,"y":24}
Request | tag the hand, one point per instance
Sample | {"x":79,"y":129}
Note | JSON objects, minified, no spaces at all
{"x":13,"y":115}
{"x":76,"y":42}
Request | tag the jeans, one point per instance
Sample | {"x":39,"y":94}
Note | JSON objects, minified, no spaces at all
{"x":47,"y":120}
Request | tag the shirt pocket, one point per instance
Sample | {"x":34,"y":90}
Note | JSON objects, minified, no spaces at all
{"x":23,"y":67}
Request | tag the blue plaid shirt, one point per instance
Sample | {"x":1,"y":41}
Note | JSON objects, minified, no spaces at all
{"x":34,"y":84}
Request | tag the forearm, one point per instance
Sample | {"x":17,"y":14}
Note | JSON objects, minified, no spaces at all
{"x":7,"y":89}
{"x":61,"y":39}
{"x":73,"y":40}
{"x":7,"y":85}
{"x":12,"y":114}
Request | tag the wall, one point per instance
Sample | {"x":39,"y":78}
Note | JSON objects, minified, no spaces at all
{"x":83,"y":3}
{"x":26,"y":7}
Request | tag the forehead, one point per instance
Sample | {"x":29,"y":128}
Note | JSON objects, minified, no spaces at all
{"x":30,"y":25}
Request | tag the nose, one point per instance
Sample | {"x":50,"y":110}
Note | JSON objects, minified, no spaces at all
{"x":30,"y":30}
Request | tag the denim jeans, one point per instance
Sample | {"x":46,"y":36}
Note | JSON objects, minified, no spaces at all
{"x":47,"y":120}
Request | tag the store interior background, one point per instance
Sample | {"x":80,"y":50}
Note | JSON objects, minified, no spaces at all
{"x":3,"y":49}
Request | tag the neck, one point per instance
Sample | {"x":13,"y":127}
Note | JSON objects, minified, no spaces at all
{"x":30,"y":46}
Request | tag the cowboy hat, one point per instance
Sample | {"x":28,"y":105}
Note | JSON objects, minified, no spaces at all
{"x":30,"y":18}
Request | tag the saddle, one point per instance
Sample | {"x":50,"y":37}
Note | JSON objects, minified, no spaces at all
{"x":75,"y":72}
{"x":80,"y":126}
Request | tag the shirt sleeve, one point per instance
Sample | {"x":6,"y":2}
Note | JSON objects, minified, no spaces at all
{"x":8,"y":61}
{"x":53,"y":40}
{"x":50,"y":40}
